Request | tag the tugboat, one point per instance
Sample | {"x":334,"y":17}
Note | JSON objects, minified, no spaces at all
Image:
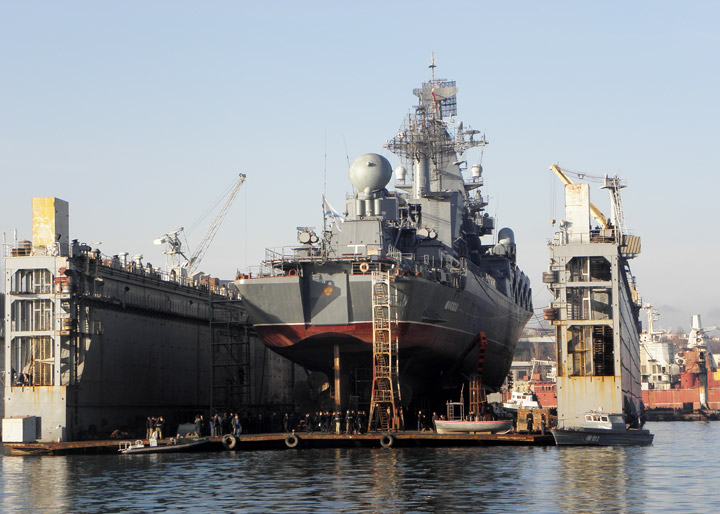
{"x":452,"y":286}
{"x":601,"y":429}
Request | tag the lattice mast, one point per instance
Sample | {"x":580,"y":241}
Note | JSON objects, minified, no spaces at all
{"x":385,"y":403}
{"x":430,"y":142}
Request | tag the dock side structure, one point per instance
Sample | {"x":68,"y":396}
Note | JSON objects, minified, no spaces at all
{"x":94,"y":344}
{"x":595,"y":312}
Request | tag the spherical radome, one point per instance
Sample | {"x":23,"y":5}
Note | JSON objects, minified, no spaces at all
{"x":370,"y":170}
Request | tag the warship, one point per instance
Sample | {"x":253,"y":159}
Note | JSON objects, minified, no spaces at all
{"x":460,"y":301}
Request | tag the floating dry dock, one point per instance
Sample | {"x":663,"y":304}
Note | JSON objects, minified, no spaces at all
{"x":276,"y":441}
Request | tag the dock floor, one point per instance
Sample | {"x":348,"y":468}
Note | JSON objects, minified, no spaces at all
{"x":299,"y":440}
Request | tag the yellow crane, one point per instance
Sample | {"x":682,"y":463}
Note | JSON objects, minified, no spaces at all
{"x":596,"y":213}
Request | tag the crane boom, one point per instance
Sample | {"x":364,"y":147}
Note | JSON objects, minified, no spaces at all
{"x":199,"y":252}
{"x":596,"y":213}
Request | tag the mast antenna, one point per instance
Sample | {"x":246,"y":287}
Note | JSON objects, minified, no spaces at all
{"x":432,"y":65}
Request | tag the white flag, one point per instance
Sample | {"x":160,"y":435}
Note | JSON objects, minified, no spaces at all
{"x":330,"y":212}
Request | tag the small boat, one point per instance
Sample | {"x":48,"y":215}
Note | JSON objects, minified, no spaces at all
{"x":457,"y":424}
{"x":602,"y":429}
{"x":521,"y":400}
{"x":173,"y":446}
{"x":469,"y":427}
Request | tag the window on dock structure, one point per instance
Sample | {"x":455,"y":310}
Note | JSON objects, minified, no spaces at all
{"x":589,"y":303}
{"x":31,"y":315}
{"x":589,"y":269}
{"x":579,"y":361}
{"x":603,"y":351}
{"x":36,"y":281}
{"x":590,"y":351}
{"x":32,"y":361}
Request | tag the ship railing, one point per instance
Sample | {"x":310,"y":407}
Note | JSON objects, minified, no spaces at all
{"x":597,"y":235}
{"x":278,"y":260}
{"x":394,"y":253}
{"x":199,"y":281}
{"x":480,"y":274}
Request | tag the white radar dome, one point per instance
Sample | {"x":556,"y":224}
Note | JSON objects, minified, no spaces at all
{"x":370,"y":171}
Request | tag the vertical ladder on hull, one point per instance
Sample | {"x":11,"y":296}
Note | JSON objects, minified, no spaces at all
{"x":477,"y":393}
{"x":385,"y":403}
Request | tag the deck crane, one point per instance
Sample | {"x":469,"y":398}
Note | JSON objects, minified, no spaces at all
{"x":173,"y":244}
{"x":614,"y":185}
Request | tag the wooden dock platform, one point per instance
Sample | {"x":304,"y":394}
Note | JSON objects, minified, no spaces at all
{"x":299,"y":440}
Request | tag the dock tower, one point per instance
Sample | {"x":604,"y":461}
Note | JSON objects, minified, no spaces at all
{"x":595,"y":309}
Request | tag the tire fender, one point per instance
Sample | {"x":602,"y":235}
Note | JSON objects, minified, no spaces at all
{"x":387,"y":440}
{"x":229,"y":441}
{"x":291,"y":440}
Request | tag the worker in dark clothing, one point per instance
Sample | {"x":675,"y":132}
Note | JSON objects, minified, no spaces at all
{"x":529,"y":418}
{"x":236,"y":425}
{"x":361,"y":420}
{"x":198,"y":425}
{"x":286,"y":422}
{"x":159,"y":425}
{"x":349,"y":422}
{"x":337,"y":419}
{"x":543,"y":424}
{"x":149,"y":427}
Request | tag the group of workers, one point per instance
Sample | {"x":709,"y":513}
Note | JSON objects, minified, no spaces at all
{"x":352,"y":422}
{"x":154,"y":427}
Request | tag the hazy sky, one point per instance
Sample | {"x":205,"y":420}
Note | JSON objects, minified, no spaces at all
{"x":141,"y":114}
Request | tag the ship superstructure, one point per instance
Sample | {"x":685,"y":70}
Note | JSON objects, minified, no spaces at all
{"x":595,"y":309}
{"x":312,"y":303}
{"x":656,"y":355}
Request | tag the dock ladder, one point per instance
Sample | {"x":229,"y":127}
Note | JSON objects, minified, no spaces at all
{"x":230,"y":333}
{"x":477,"y":393}
{"x":385,"y":403}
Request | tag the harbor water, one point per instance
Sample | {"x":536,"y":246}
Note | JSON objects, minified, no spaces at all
{"x":678,"y":473}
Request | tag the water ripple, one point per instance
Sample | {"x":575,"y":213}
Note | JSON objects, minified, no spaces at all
{"x":675,"y":474}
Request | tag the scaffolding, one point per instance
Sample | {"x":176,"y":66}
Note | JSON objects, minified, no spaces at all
{"x":230,"y":333}
{"x":477,"y":393}
{"x":385,"y":402}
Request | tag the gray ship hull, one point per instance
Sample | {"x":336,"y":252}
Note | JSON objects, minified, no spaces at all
{"x":438,"y":323}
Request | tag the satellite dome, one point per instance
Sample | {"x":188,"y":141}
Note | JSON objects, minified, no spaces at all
{"x":370,"y":170}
